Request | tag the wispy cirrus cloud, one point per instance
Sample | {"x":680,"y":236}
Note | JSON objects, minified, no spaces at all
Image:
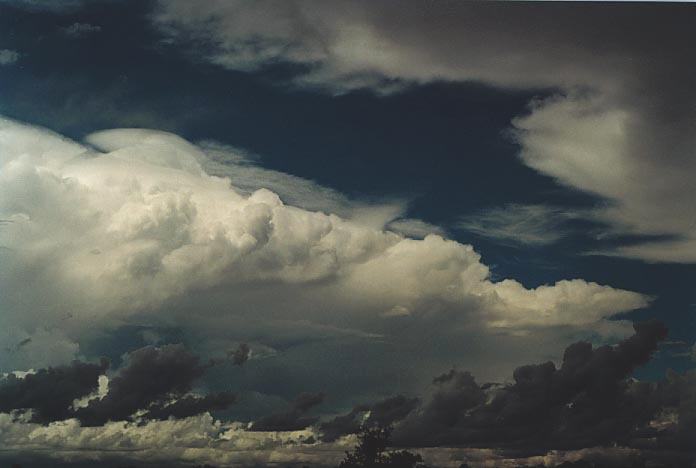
{"x":535,"y":225}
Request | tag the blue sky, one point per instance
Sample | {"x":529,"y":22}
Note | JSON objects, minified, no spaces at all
{"x":568,"y":161}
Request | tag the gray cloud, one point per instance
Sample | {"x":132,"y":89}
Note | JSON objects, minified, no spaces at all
{"x":155,"y":380}
{"x":588,"y":401}
{"x":294,"y":419}
{"x":547,"y":417}
{"x":520,"y":224}
{"x":49,"y":393}
{"x":621,"y":126}
{"x":240,"y":355}
{"x":190,"y":405}
{"x":382,"y":413}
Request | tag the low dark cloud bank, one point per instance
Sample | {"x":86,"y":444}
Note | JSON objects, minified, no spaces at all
{"x":49,"y":393}
{"x":154,"y":381}
{"x":153,"y":377}
{"x":382,"y":413}
{"x":293,"y":419}
{"x":588,"y":406}
{"x":589,"y":401}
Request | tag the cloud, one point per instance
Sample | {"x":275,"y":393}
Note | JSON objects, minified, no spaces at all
{"x":240,"y":355}
{"x":195,"y":440}
{"x":587,"y":410}
{"x":621,"y":124}
{"x":124,"y":230}
{"x":77,"y":30}
{"x":247,"y":175}
{"x":588,"y":144}
{"x":414,"y":228}
{"x":49,"y":393}
{"x":534,"y":225}
{"x":22,"y":350}
{"x":157,"y":381}
{"x":294,"y":419}
{"x":587,"y":402}
{"x":190,"y":405}
{"x":382,"y":413}
{"x":8,"y":57}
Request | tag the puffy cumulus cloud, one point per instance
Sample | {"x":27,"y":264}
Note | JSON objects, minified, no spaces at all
{"x":621,"y":127}
{"x":246,"y":174}
{"x":199,"y":439}
{"x":8,"y":57}
{"x":97,"y":232}
{"x":414,"y":228}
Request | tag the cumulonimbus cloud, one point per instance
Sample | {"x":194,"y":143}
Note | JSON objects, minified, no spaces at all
{"x":136,"y":223}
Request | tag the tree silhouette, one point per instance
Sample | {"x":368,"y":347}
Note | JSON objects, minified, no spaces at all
{"x":371,"y":452}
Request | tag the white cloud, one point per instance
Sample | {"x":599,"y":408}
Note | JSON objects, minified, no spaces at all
{"x":247,"y":175}
{"x":96,"y":236}
{"x":415,"y":228}
{"x":200,"y":439}
{"x":359,"y":44}
{"x":588,"y":145}
{"x":520,"y":224}
{"x":8,"y":57}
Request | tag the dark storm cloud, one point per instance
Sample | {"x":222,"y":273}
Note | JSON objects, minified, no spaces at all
{"x":382,"y":413}
{"x":588,"y":401}
{"x":294,"y":418}
{"x":152,"y":376}
{"x":49,"y":393}
{"x":240,"y":355}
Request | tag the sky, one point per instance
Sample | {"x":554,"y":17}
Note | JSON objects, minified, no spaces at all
{"x":232,"y":232}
